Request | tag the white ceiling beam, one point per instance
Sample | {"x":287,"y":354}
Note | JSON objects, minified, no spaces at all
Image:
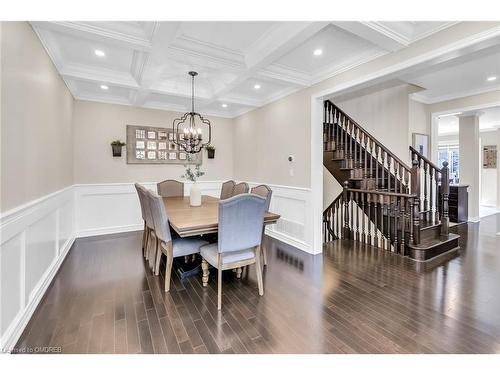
{"x":99,"y":75}
{"x":376,"y":33}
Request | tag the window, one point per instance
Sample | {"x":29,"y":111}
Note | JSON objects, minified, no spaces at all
{"x":449,"y":153}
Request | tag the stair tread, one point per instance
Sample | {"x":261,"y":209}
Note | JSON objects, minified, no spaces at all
{"x":431,"y":242}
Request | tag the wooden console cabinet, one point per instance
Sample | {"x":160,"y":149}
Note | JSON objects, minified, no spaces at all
{"x":458,"y":203}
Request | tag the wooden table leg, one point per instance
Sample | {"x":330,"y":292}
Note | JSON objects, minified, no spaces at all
{"x":204,"y":267}
{"x":238,"y":272}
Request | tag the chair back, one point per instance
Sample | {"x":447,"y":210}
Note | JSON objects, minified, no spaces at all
{"x":141,"y":199}
{"x":227,"y":190}
{"x":265,"y":192}
{"x":241,"y":188}
{"x":170,"y":188}
{"x":240,"y":222}
{"x":148,"y":218}
{"x":160,"y":217}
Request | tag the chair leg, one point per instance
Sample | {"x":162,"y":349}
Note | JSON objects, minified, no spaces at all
{"x":152,"y":254}
{"x":264,"y":254}
{"x":239,"y":271}
{"x":206,"y":272}
{"x":143,"y":237}
{"x":258,"y":269}
{"x":219,"y":287}
{"x":168,"y":266}
{"x":146,"y":246}
{"x":158,"y":258}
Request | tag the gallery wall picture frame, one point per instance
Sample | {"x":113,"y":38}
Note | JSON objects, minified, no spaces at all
{"x":421,"y":143}
{"x":490,"y":157}
{"x":153,"y":145}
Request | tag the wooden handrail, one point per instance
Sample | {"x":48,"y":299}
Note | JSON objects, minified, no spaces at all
{"x":373,"y":139}
{"x":420,"y":156}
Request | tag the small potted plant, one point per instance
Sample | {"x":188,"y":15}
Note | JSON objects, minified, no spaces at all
{"x":117,"y":148}
{"x":210,"y":151}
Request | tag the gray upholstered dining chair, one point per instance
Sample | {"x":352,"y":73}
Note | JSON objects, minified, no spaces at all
{"x":170,"y":188}
{"x":148,"y":219}
{"x":240,"y":234}
{"x":240,"y":188}
{"x":172,"y":248}
{"x":265,"y":192}
{"x":227,"y":189}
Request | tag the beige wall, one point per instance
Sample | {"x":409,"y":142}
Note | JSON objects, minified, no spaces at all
{"x":97,"y":124}
{"x":36,"y":147}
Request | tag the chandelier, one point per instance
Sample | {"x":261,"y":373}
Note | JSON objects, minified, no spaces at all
{"x":187,"y":129}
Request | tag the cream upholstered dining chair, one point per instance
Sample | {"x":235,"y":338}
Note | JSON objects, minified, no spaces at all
{"x":170,"y":188}
{"x":148,"y":219}
{"x":240,"y":188}
{"x":227,"y":189}
{"x":171,"y":247}
{"x":240,"y":234}
{"x":265,"y":192}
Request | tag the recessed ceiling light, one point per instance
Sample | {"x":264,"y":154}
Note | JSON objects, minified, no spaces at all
{"x":318,"y":52}
{"x":492,"y":78}
{"x":256,"y":86}
{"x":99,"y":53}
{"x":224,"y":105}
{"x":104,"y":87}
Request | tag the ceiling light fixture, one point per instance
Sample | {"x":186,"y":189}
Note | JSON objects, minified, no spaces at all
{"x":224,"y":105}
{"x":104,"y":87}
{"x":318,"y":52}
{"x":256,"y":86}
{"x":189,"y":134}
{"x":491,"y":79}
{"x":99,"y":53}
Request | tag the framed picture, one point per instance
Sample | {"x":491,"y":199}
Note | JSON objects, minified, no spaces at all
{"x":154,"y":145}
{"x":421,"y":143}
{"x":489,"y":157}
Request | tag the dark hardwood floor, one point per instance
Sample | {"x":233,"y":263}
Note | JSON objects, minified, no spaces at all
{"x":347,"y":300}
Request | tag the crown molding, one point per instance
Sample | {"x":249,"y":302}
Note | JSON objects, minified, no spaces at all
{"x":420,"y":97}
{"x":85,"y":29}
{"x":285,"y":74}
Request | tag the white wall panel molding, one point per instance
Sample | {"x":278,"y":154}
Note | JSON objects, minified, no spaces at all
{"x":35,"y":239}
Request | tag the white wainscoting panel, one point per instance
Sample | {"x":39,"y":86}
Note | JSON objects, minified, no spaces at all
{"x":34,"y":240}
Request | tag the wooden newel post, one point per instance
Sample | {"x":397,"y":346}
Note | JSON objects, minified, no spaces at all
{"x":415,"y":190}
{"x":345,"y":195}
{"x":445,"y":192}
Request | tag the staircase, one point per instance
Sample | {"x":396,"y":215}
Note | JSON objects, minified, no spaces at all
{"x":384,"y":203}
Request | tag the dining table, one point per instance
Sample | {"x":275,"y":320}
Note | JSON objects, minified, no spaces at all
{"x":189,"y":220}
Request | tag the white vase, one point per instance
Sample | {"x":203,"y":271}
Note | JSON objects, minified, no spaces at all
{"x":195,"y":195}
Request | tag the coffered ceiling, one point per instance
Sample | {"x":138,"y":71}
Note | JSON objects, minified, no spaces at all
{"x":241,"y":65}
